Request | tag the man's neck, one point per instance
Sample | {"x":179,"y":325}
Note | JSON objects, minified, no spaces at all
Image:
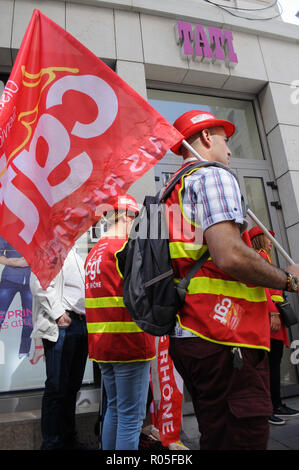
{"x":193,"y":159}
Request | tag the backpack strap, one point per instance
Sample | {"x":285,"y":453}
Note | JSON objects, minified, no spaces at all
{"x":165,"y":192}
{"x":198,"y":164}
{"x":184,"y":283}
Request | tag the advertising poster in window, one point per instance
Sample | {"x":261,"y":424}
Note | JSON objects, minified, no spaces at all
{"x":22,"y":364}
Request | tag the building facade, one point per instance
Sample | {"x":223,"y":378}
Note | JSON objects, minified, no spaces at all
{"x":236,"y":59}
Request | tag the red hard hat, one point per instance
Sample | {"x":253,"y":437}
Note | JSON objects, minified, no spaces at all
{"x":195,"y":121}
{"x":126,"y":202}
{"x":254,"y":231}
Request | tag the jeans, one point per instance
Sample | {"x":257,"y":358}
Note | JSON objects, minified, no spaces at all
{"x":126,"y":386}
{"x":65,"y":365}
{"x":8,"y":290}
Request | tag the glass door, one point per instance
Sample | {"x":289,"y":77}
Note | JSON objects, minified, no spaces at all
{"x":262,"y":199}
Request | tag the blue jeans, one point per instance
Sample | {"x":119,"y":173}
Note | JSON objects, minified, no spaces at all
{"x":126,"y":386}
{"x":65,"y":365}
{"x":8,"y":290}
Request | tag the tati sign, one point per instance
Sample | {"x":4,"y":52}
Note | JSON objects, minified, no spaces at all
{"x":206,"y":44}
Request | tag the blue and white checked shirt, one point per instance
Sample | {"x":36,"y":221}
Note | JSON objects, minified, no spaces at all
{"x":211,"y":195}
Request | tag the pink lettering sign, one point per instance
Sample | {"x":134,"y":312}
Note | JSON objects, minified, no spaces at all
{"x":212,"y":45}
{"x":185,"y":36}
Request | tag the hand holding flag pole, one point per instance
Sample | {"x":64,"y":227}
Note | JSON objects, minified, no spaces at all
{"x":250,"y":213}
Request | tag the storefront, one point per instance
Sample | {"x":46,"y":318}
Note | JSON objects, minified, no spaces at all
{"x":182,"y":55}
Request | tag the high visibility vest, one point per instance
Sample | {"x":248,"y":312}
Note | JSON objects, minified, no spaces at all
{"x":217,"y":307}
{"x":112,"y":334}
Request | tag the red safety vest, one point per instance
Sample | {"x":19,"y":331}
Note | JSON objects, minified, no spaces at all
{"x":112,"y":334}
{"x":217,"y":307}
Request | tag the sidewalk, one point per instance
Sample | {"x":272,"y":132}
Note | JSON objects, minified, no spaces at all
{"x":284,"y":437}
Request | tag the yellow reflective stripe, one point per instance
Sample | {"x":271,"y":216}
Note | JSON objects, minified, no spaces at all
{"x":104,"y":302}
{"x":180,"y":198}
{"x":113,"y":327}
{"x":277,"y":298}
{"x":186,"y":250}
{"x":115,"y":256}
{"x":206,"y":285}
{"x":225,"y":343}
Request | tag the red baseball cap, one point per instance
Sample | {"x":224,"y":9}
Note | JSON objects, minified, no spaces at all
{"x":195,"y":121}
{"x":254,"y":231}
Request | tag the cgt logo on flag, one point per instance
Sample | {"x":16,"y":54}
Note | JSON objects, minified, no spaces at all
{"x":54,"y":133}
{"x":72,"y":135}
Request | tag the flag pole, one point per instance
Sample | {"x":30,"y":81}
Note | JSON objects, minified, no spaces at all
{"x":250,"y":213}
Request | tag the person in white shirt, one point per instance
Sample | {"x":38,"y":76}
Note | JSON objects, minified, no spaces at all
{"x":58,"y":315}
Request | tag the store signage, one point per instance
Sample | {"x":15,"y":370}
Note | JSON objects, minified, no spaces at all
{"x":206,"y":44}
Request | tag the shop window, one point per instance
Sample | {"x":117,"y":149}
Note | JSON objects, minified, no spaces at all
{"x":22,"y":364}
{"x":244,"y":144}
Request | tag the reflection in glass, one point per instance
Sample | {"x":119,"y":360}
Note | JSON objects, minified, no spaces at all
{"x":245,"y":143}
{"x":287,"y":370}
{"x":166,"y":176}
{"x":256,"y":199}
{"x":257,"y":202}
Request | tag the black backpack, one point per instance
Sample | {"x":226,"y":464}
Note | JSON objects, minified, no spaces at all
{"x":149,"y":291}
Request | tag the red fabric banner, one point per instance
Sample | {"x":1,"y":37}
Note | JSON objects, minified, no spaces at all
{"x":169,"y":412}
{"x":73,"y":135}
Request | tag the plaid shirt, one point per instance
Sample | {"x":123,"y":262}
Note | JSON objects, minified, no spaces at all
{"x":211,"y":195}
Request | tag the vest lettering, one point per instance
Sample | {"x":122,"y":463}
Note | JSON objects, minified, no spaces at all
{"x":222,"y":310}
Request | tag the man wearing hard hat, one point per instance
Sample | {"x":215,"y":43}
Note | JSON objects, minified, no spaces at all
{"x":221,"y":339}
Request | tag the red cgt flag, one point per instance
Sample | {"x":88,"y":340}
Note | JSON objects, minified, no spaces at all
{"x":73,"y":135}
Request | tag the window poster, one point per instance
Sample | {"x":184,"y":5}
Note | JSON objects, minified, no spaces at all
{"x":22,"y":364}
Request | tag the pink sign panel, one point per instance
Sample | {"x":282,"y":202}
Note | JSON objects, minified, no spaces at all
{"x":212,"y":44}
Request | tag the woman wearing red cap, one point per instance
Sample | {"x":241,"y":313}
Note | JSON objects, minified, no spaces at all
{"x":278,"y":332}
{"x":122,"y":350}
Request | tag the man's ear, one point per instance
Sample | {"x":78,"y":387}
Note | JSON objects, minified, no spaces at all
{"x":206,"y":138}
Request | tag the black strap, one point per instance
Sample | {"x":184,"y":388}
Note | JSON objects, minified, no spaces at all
{"x":166,"y":191}
{"x":198,"y":164}
{"x":184,"y":283}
